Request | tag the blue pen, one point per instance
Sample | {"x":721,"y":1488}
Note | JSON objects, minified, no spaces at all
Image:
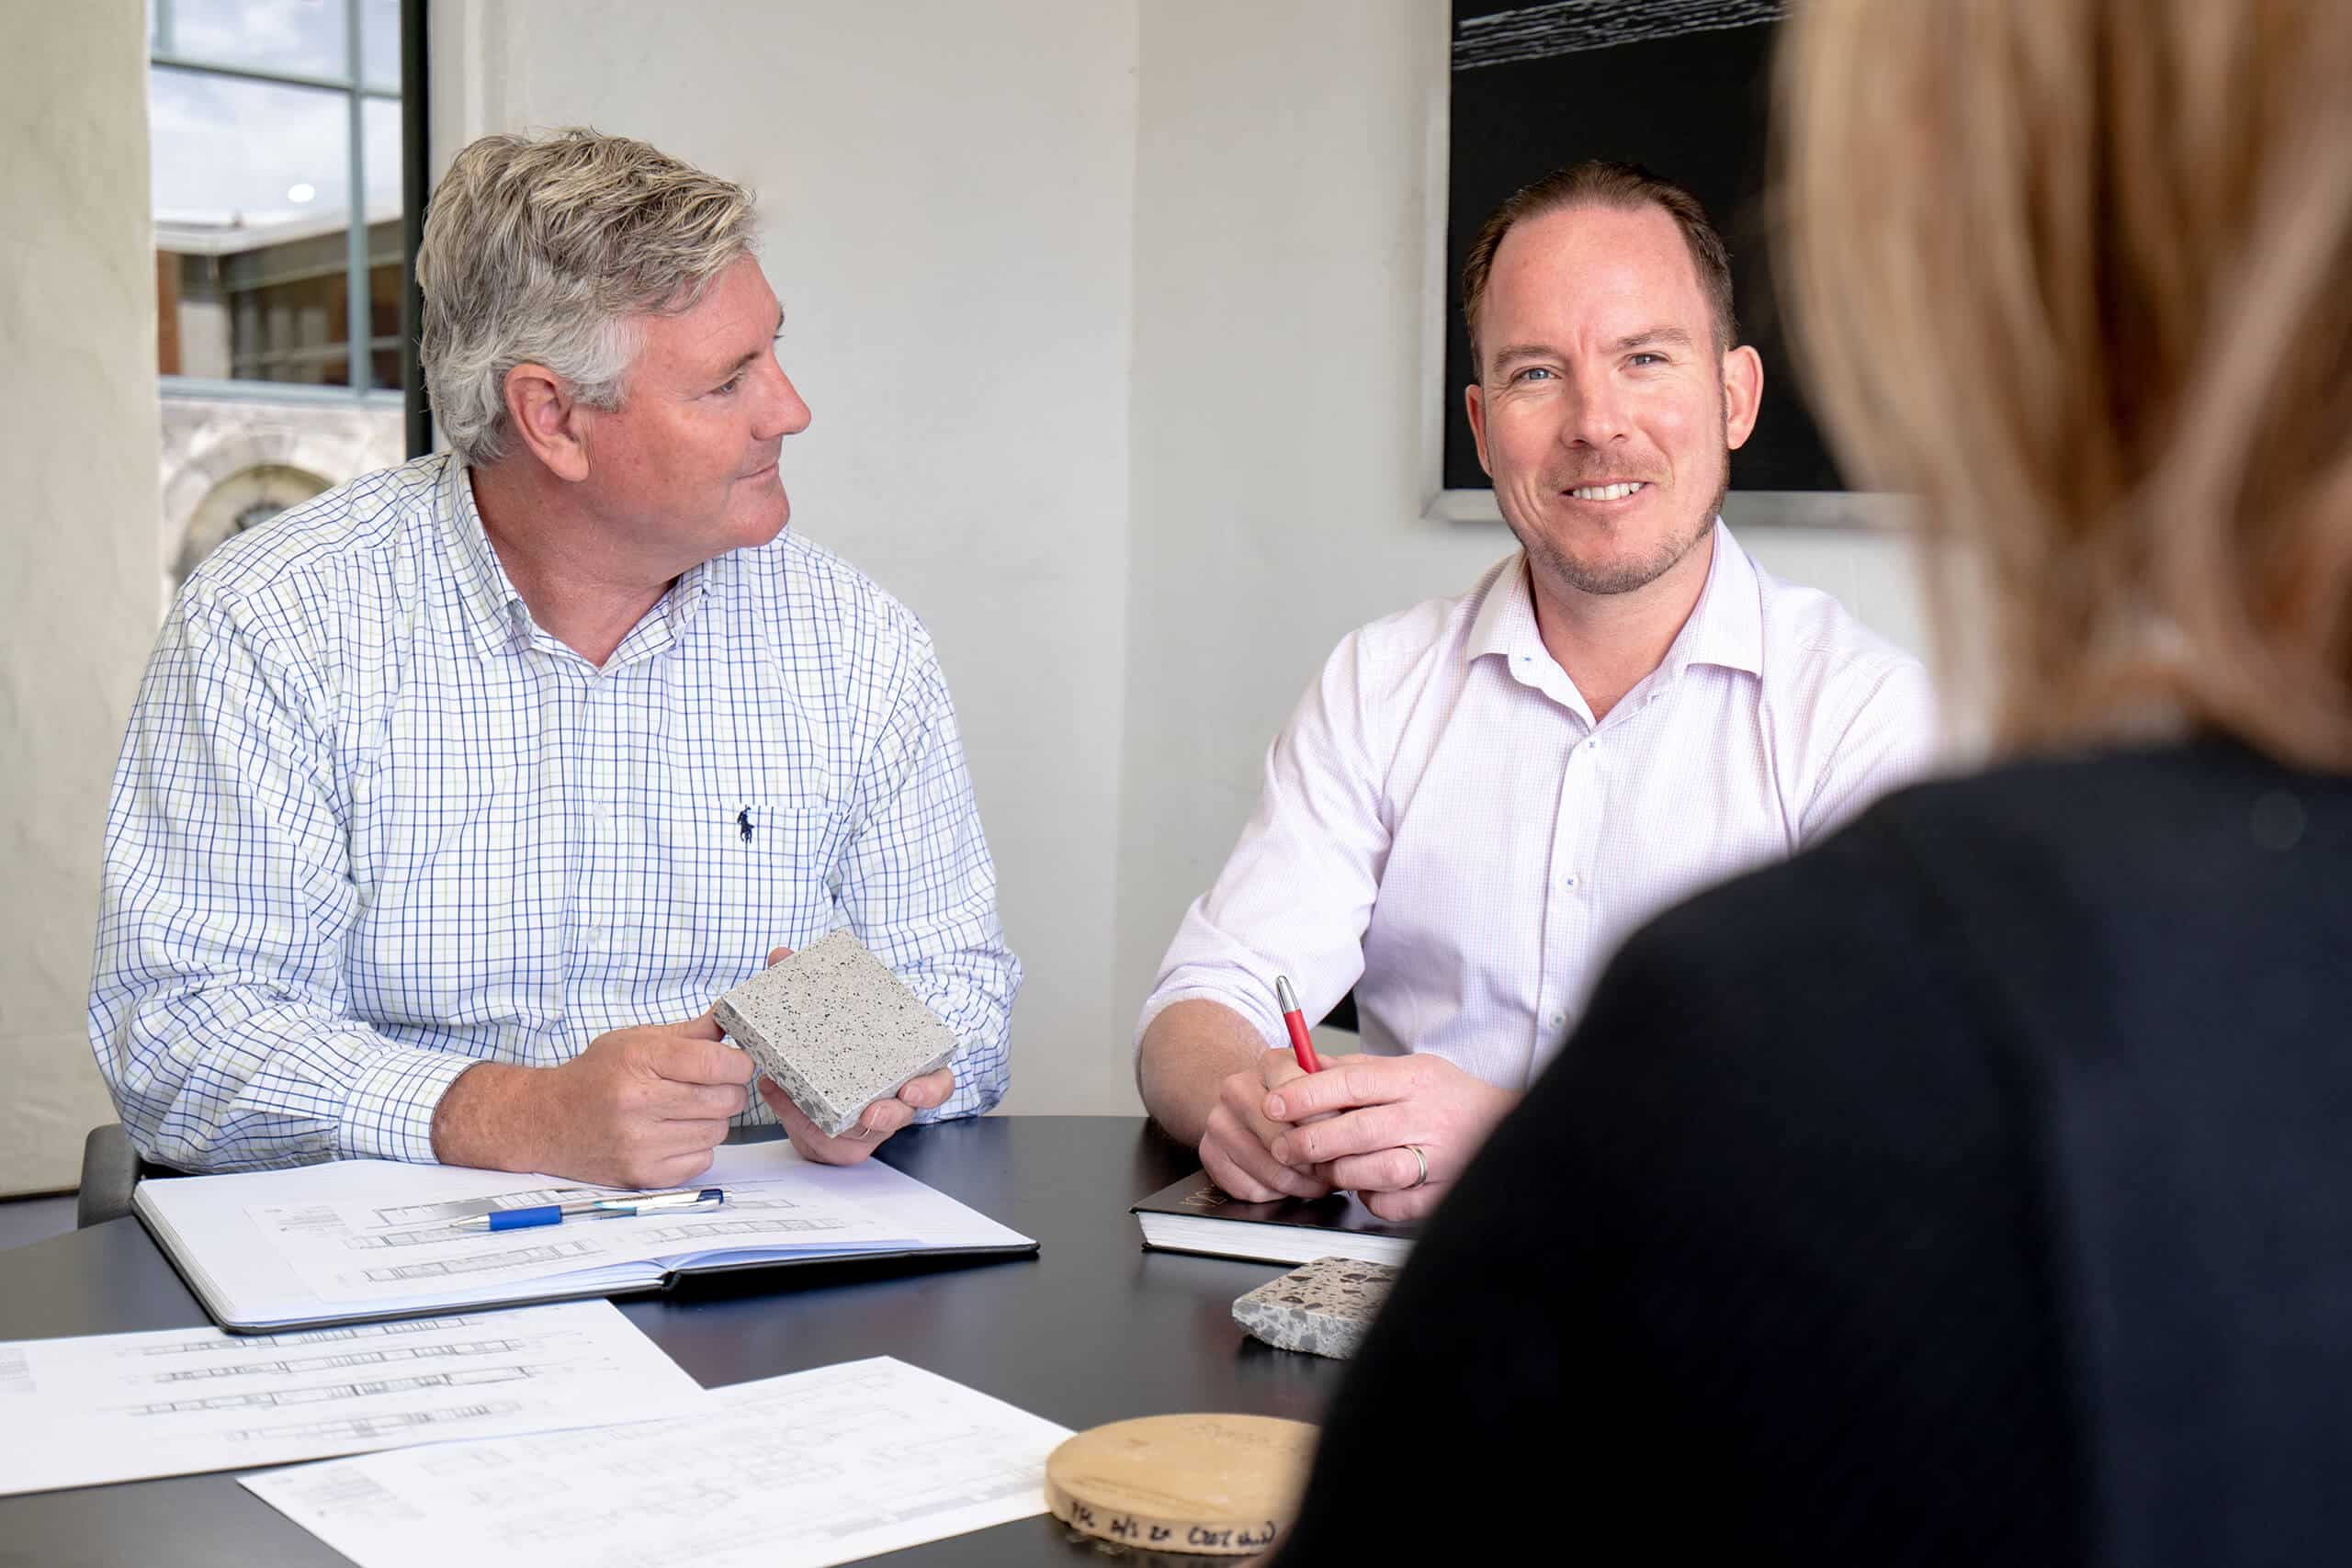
{"x":598,"y":1208}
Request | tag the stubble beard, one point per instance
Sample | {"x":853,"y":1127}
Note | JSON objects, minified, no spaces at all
{"x":1625,"y":577}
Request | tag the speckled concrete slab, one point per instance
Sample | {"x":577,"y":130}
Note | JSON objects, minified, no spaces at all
{"x":1321,"y":1307}
{"x":835,"y":1030}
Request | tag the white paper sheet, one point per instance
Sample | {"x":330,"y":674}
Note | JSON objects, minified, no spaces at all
{"x":795,"y":1472}
{"x":126,"y":1407}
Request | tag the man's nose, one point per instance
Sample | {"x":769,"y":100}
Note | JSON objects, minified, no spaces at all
{"x":782,"y":412}
{"x":1595,"y":414}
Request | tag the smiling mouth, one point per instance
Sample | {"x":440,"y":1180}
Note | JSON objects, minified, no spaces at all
{"x":1617,"y":491}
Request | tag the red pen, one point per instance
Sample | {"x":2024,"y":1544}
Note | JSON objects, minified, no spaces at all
{"x":1300,"y":1046}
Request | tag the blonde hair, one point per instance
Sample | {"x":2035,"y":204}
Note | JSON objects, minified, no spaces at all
{"x":543,"y":250}
{"x":2078,"y":273}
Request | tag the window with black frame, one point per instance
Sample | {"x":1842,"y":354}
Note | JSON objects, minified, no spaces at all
{"x":275,"y":139}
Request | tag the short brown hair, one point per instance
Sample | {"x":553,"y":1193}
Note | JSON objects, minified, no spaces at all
{"x":1622,"y":187}
{"x":2075,"y":276}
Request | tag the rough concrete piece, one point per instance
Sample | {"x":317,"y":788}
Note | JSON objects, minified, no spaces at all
{"x":835,"y":1030}
{"x":1321,"y":1307}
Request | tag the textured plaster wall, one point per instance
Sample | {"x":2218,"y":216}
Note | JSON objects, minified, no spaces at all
{"x":78,"y":600}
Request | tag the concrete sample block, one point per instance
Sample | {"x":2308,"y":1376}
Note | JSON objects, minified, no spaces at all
{"x":835,"y":1030}
{"x":1321,"y":1307}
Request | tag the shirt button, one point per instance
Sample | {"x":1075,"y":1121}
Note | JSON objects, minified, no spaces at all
{"x":1559,"y":1020}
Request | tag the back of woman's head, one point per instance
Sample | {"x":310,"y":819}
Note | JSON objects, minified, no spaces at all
{"x":2078,"y":273}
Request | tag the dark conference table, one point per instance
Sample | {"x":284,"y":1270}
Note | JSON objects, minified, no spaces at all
{"x":1092,"y":1329}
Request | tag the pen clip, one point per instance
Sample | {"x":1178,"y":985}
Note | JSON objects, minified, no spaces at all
{"x":656,"y":1203}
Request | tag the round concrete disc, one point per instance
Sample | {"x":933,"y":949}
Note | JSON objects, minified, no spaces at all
{"x":1223,"y":1486}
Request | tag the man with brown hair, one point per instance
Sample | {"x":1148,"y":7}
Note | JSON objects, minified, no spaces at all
{"x":1483,"y":795}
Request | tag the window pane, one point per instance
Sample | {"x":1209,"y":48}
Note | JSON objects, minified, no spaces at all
{"x":304,"y":37}
{"x":252,"y":209}
{"x":379,"y":43}
{"x":246,"y":155}
{"x":380,"y":118}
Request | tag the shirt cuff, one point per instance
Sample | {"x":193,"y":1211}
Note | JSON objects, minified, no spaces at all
{"x":388,"y":1113}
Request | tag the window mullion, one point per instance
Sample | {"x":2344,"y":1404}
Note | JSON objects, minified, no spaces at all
{"x":362,"y":324}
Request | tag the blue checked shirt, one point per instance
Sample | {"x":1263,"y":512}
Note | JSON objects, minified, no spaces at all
{"x":372,"y":824}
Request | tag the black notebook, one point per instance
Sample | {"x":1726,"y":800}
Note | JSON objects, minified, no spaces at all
{"x":1194,"y":1216}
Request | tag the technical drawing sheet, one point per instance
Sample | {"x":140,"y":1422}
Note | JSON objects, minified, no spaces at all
{"x":794,"y":1471}
{"x":371,"y":1250}
{"x":126,"y":1406}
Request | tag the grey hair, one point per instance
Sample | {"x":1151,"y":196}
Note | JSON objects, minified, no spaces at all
{"x":545,"y":251}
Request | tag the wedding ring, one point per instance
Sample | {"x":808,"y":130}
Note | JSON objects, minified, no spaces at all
{"x":1422,"y":1179}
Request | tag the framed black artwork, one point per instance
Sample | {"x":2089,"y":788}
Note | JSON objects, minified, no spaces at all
{"x":1683,"y":88}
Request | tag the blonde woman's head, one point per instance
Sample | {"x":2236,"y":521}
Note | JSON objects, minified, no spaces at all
{"x":2078,"y":275}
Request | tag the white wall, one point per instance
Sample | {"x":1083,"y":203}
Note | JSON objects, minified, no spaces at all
{"x":78,"y":445}
{"x":1112,"y":313}
{"x":948,"y":192}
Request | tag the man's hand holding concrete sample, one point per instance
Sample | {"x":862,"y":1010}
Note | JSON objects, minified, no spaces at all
{"x":835,"y":1031}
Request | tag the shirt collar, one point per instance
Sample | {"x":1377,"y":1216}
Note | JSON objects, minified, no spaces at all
{"x":1506,"y":621}
{"x":686,"y":594}
{"x":502,"y":621}
{"x":1725,"y":626}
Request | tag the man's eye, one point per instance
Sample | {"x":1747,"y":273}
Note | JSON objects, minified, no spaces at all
{"x":1532,"y":372}
{"x":731,"y":382}
{"x":1647,"y":359}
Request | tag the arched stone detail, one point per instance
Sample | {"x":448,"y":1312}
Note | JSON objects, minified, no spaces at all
{"x":208,"y":443}
{"x":271,"y":486}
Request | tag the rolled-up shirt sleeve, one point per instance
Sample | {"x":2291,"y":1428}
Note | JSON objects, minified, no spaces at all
{"x":218,"y":1011}
{"x":1296,"y":894}
{"x":918,"y":887}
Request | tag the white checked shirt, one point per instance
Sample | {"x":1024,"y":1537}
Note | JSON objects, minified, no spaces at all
{"x":1445,"y":830}
{"x":372,"y":824}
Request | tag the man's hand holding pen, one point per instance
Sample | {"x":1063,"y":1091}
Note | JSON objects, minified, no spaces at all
{"x":1397,"y":1130}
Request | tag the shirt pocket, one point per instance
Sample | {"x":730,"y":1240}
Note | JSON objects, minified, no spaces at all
{"x":750,"y":858}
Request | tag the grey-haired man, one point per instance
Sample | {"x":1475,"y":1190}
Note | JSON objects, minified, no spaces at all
{"x":453,"y":797}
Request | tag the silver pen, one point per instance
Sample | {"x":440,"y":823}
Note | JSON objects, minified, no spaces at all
{"x":619,"y":1208}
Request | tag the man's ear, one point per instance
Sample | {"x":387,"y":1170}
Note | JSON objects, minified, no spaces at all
{"x":547,"y":419}
{"x":1743,"y":394}
{"x":1473,"y":400}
